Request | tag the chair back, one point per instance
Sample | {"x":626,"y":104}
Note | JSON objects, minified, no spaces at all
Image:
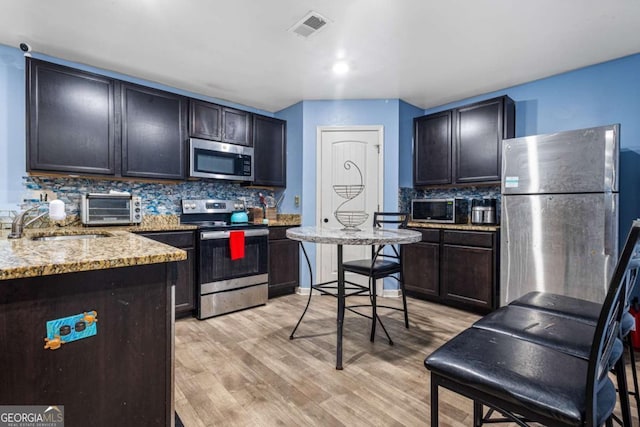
{"x":383,"y":219}
{"x":380,"y":219}
{"x":608,"y":327}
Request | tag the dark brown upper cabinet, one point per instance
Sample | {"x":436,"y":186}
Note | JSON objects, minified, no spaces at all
{"x":153,"y":133}
{"x":205,"y":120}
{"x":236,"y":126}
{"x":432,"y":149}
{"x":70,"y":120}
{"x":218,"y":123}
{"x":479,"y":131}
{"x":463,"y":145}
{"x":270,"y":151}
{"x":83,"y":123}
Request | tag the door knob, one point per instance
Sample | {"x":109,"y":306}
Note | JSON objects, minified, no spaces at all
{"x":326,"y":220}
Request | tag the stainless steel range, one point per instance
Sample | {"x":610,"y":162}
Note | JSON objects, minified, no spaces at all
{"x":226,"y":284}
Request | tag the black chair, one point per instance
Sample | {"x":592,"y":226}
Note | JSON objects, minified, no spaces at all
{"x":526,"y":381}
{"x":385,"y":262}
{"x":575,"y":309}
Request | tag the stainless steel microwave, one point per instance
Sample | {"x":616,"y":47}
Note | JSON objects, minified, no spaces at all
{"x":110,"y":209}
{"x":454,"y":211}
{"x":217,"y":160}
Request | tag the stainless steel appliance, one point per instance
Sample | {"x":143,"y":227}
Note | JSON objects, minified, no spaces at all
{"x":455,"y":211}
{"x":483,"y":212}
{"x":559,"y":213}
{"x":110,"y":209}
{"x":217,"y":160}
{"x":226,"y":284}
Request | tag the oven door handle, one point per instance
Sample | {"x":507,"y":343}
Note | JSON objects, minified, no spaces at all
{"x":211,"y":235}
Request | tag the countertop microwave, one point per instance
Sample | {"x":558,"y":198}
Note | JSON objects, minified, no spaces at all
{"x":218,"y":160}
{"x":110,"y":209}
{"x":453,"y":211}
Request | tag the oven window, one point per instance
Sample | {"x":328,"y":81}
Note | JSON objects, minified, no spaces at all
{"x":206,"y":161}
{"x":216,"y":264}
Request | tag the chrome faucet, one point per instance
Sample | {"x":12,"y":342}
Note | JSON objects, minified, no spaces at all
{"x":18,"y":225}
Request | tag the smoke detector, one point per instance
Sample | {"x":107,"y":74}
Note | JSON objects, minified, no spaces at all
{"x":310,"y":24}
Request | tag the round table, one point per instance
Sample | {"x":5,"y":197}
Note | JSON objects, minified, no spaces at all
{"x":340,"y":237}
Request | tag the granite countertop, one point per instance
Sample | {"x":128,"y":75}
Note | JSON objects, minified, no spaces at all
{"x":25,"y":257}
{"x":464,"y":227}
{"x":366,"y":236}
{"x":286,"y":220}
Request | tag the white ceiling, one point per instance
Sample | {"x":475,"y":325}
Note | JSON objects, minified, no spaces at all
{"x":426,"y":52}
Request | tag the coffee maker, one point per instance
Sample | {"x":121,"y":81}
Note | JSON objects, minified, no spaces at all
{"x":483,"y":212}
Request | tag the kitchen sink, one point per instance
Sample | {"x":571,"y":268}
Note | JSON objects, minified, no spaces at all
{"x":70,"y":237}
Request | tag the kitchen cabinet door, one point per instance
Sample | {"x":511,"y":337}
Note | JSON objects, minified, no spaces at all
{"x":205,"y":120}
{"x":236,"y":126}
{"x":467,"y":275}
{"x":479,"y":130}
{"x":284,"y":260}
{"x":432,"y":149}
{"x":153,"y":133}
{"x":70,"y":120}
{"x":421,"y":269}
{"x":186,"y":281}
{"x":270,"y":151}
{"x":468,"y":269}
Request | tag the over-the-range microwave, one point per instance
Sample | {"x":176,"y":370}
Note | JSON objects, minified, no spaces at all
{"x":218,"y":160}
{"x":454,"y":211}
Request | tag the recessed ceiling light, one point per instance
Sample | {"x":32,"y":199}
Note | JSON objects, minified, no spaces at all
{"x":341,"y":67}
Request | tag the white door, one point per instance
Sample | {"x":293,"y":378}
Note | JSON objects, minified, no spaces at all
{"x":362,"y":145}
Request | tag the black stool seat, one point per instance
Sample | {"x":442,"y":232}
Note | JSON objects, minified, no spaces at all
{"x":381,"y":267}
{"x":568,"y":336}
{"x":576,"y":308}
{"x":536,"y":381}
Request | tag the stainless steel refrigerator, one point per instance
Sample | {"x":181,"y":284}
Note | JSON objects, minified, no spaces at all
{"x":559,"y":218}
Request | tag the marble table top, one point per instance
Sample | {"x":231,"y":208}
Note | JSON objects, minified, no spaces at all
{"x":365,"y":236}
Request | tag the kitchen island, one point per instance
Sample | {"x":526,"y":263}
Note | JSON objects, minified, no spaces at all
{"x":87,"y":323}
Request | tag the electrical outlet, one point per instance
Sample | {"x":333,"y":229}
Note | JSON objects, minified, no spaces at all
{"x":43,"y":195}
{"x":296,"y":201}
{"x":70,"y":328}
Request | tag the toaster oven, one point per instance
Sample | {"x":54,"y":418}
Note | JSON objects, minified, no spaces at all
{"x":110,"y":209}
{"x":454,"y":211}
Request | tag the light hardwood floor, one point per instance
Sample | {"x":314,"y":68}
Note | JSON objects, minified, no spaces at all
{"x":241,"y":369}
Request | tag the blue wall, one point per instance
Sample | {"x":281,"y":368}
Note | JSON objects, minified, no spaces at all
{"x":12,"y":126}
{"x":294,"y":116}
{"x":407,"y":114}
{"x":593,"y":96}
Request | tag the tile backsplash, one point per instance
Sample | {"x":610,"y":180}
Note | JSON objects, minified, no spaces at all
{"x":406,"y":194}
{"x":157,"y":198}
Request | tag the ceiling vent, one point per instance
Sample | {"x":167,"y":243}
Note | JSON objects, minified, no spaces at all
{"x":309,"y":25}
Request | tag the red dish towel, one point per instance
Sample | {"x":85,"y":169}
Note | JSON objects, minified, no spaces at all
{"x":236,"y":244}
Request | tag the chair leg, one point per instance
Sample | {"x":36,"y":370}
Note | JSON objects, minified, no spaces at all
{"x":623,"y":391}
{"x":434,"y":402}
{"x":374,"y":314}
{"x":477,"y":414}
{"x":404,"y":302}
{"x":634,"y":373}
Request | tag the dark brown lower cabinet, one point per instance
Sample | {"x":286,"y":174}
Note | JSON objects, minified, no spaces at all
{"x":185,"y":284}
{"x":284,"y":259}
{"x":122,"y":376}
{"x":454,"y":267}
{"x":421,"y":265}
